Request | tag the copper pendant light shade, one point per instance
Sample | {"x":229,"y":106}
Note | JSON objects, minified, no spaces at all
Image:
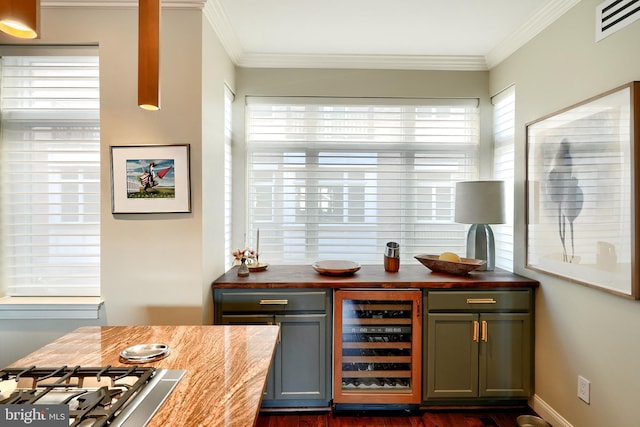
{"x":20,"y":18}
{"x":149,"y":54}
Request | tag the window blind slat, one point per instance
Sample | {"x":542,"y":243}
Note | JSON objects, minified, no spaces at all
{"x":504,"y":170}
{"x":334,"y":177}
{"x":50,"y":174}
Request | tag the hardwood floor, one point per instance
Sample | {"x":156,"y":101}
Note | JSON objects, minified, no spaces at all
{"x":466,"y":418}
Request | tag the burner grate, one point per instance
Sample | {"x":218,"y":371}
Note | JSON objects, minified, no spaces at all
{"x":77,"y":387}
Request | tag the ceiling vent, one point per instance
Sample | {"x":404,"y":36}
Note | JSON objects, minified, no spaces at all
{"x":613,"y":15}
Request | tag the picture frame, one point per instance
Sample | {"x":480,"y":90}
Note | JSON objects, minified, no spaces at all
{"x":150,"y":179}
{"x":582,"y":192}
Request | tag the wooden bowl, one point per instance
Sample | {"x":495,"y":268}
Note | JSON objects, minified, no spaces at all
{"x":332,"y":267}
{"x":435,"y":264}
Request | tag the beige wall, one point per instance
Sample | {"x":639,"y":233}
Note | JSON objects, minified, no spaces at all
{"x":217,"y":71}
{"x":172,"y":284}
{"x":579,"y":331}
{"x":151,"y":264}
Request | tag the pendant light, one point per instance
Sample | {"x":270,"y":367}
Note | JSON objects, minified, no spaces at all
{"x":20,"y":18}
{"x":149,"y":54}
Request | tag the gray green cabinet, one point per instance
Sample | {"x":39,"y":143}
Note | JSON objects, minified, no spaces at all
{"x":300,"y":374}
{"x":478,"y":345}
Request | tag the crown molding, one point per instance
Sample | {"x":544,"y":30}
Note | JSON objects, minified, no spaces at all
{"x":168,"y":4}
{"x":551,"y":11}
{"x":548,"y":14}
{"x":387,"y":62}
{"x":216,"y":15}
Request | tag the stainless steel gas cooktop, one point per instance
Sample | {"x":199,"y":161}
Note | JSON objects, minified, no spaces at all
{"x":96,"y":396}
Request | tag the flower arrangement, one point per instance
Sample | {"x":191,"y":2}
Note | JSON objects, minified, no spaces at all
{"x":246,"y":253}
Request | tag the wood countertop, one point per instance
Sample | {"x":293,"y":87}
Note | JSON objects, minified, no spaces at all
{"x":371,"y":276}
{"x":226,"y":367}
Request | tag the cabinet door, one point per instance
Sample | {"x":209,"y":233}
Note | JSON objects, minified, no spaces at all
{"x":452,"y":355}
{"x":300,"y":371}
{"x":301,"y":358}
{"x":505,"y":355}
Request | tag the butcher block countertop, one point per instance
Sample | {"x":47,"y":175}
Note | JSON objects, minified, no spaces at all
{"x":371,"y":276}
{"x":226,"y":367}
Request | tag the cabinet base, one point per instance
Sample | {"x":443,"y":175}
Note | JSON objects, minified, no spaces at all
{"x":310,"y":405}
{"x":337,"y":407}
{"x":447,"y":405}
{"x":296,"y":409}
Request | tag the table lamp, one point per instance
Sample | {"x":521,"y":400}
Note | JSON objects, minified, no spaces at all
{"x":480,"y":203}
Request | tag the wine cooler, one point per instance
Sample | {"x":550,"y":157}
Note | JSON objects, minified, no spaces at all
{"x":377,"y":347}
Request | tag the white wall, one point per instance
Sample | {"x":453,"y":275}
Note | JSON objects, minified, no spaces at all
{"x":172,"y":285}
{"x":579,"y":331}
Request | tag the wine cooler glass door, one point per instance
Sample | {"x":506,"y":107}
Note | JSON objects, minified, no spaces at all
{"x":377,"y":352}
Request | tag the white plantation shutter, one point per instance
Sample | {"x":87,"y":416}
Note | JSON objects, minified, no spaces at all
{"x":504,"y":119}
{"x":337,"y":178}
{"x":50,"y":175}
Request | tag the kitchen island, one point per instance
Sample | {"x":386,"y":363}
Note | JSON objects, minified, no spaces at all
{"x":226,"y":366}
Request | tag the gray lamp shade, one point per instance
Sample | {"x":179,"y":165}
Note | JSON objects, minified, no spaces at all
{"x":480,"y":202}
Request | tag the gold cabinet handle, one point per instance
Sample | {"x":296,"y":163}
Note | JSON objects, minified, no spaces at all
{"x":475,"y":330}
{"x":274,"y":302}
{"x":481,"y":301}
{"x":279,"y":329}
{"x":485,"y":331}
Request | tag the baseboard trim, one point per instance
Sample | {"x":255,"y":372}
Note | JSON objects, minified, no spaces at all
{"x":549,"y":414}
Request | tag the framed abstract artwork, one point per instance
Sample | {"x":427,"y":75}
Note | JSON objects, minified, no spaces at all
{"x":150,"y":179}
{"x":582,"y":192}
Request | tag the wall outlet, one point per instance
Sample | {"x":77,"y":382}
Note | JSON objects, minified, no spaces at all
{"x":584,"y":388}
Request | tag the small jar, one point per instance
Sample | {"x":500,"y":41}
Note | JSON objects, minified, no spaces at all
{"x":392,"y":257}
{"x":243,"y":268}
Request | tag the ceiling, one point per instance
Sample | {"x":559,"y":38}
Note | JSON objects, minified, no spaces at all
{"x":396,"y":34}
{"x":374,"y":34}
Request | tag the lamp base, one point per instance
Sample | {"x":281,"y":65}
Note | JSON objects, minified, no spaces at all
{"x":480,"y":245}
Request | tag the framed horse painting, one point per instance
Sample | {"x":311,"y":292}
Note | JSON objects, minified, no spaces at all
{"x":582,"y":192}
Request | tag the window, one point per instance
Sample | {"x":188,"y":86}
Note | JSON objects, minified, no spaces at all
{"x":504,"y":159}
{"x":228,"y":187}
{"x":50,"y":175}
{"x":336,"y":178}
